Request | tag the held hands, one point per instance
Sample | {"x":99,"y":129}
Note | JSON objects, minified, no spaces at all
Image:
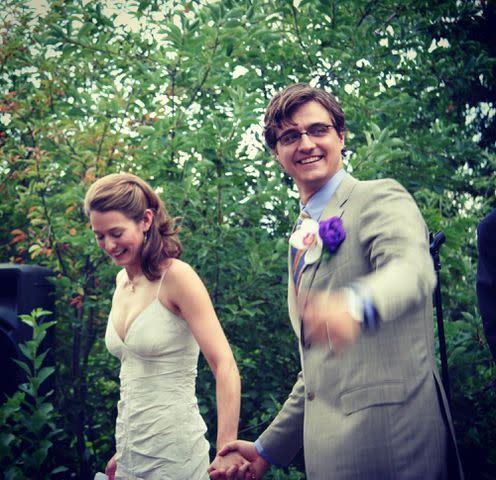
{"x":326,"y":319}
{"x":253,"y":469}
{"x":228,"y":466}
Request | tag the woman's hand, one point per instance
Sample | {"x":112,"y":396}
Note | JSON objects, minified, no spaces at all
{"x":111,"y":467}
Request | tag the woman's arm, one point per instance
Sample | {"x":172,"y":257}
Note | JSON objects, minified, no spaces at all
{"x":184,"y":292}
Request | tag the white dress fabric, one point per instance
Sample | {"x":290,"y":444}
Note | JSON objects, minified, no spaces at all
{"x":160,"y":434}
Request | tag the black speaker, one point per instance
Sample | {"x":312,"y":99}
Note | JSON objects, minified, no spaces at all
{"x":22,"y":289}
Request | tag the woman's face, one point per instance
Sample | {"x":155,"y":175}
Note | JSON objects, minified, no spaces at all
{"x":120,"y":236}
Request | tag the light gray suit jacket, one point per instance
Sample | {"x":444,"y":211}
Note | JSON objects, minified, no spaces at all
{"x":376,"y":410}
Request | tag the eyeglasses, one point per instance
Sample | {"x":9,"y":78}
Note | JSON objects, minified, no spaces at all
{"x":315,"y":130}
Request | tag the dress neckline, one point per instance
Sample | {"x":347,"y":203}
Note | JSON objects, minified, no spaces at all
{"x":129,"y":327}
{"x":156,"y":299}
{"x":136,"y":319}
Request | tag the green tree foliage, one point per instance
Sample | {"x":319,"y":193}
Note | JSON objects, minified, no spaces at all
{"x":174,"y":91}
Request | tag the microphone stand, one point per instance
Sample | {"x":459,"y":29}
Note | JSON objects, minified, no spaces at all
{"x":435,"y":244}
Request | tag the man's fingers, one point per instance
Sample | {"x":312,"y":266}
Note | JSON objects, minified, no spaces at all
{"x":244,"y":468}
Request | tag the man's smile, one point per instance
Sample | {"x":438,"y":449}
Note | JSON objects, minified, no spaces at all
{"x":307,"y":160}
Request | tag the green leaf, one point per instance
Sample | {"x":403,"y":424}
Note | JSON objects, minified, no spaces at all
{"x":175,"y":34}
{"x":39,"y":359}
{"x":85,"y":29}
{"x":24,"y":366}
{"x":146,"y":130}
{"x":26,"y":350}
{"x":44,"y":373}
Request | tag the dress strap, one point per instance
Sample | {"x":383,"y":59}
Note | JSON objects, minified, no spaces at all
{"x":161,"y":280}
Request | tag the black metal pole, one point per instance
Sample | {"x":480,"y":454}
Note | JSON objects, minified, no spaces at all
{"x":435,"y":244}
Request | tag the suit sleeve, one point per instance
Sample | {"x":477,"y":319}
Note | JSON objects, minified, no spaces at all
{"x":486,"y":277}
{"x":284,"y":437}
{"x":394,"y":238}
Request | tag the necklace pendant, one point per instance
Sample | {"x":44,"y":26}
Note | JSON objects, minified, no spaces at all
{"x":131,"y":285}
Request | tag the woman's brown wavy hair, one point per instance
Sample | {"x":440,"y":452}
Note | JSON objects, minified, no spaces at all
{"x":131,"y":196}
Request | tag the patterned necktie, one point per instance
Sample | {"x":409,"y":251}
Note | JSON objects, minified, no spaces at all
{"x":298,"y":256}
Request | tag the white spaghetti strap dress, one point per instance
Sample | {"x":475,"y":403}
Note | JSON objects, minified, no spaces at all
{"x":160,"y":434}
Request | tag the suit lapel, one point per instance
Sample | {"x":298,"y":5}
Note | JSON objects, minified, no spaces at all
{"x":334,"y":208}
{"x":294,"y":315}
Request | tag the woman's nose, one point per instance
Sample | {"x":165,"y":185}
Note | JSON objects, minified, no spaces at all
{"x":109,"y":245}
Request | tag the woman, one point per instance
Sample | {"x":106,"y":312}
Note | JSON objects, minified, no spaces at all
{"x":161,"y":316}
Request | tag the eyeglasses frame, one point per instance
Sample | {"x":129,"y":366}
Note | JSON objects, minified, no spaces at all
{"x":304,"y":132}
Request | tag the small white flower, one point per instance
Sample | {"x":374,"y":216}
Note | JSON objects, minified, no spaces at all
{"x":363,"y":62}
{"x":433,"y":46}
{"x":348,"y":88}
{"x":29,"y":70}
{"x":306,"y":237}
{"x":52,"y":52}
{"x":239,"y":71}
{"x":443,"y":43}
{"x":390,"y":82}
{"x":384,"y":42}
{"x":5,"y":118}
{"x":35,"y":81}
{"x":171,"y":55}
{"x":411,"y":54}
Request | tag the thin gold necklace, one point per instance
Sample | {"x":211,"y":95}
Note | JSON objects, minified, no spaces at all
{"x":132,"y":284}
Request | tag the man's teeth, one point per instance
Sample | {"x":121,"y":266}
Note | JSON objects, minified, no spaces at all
{"x":309,"y":160}
{"x":120,"y":252}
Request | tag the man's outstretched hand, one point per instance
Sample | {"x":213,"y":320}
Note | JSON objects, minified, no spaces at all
{"x":326,"y":319}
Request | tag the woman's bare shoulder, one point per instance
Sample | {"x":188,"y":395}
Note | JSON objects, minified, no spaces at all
{"x":178,"y":269}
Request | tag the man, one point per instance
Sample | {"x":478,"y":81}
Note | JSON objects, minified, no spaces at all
{"x":486,"y":277}
{"x":368,"y":402}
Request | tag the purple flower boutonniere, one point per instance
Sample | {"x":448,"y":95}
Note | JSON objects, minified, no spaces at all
{"x":332,"y":233}
{"x":312,"y":236}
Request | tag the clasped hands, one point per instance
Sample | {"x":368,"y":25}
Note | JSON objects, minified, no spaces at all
{"x":238,"y":460}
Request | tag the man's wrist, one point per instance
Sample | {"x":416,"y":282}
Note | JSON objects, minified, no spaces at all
{"x":262,"y":452}
{"x":361,"y":307}
{"x":354,"y":304}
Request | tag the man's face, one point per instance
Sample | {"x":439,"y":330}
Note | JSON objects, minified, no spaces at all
{"x":311,"y":160}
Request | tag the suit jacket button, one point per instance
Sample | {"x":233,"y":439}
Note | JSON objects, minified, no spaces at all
{"x":310,"y":396}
